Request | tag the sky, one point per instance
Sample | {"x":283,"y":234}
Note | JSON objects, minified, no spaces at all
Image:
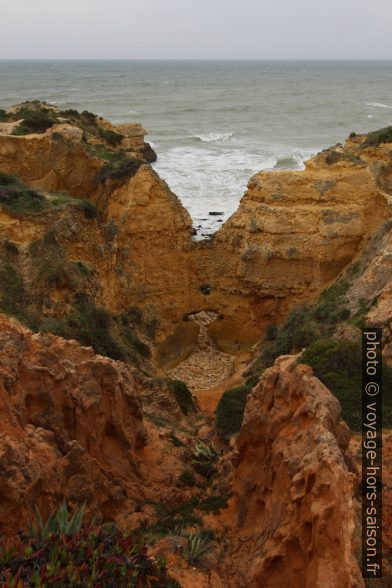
{"x":196,"y":29}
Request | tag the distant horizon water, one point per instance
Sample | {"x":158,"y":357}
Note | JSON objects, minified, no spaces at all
{"x":214,"y":123}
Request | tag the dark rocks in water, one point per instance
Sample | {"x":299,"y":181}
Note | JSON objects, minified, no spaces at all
{"x":193,"y":232}
{"x":214,"y":213}
{"x":148,"y":153}
{"x":219,"y":220}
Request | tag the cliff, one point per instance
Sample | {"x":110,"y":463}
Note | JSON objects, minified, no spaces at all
{"x":296,"y":518}
{"x":74,"y":425}
{"x":293,"y":233}
{"x":97,"y":259}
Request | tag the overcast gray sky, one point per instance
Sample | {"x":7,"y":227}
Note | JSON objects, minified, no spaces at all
{"x":196,"y":29}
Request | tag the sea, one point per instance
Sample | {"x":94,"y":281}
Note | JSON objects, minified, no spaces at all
{"x":214,"y":124}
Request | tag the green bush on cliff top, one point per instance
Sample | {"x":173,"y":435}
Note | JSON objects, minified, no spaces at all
{"x":375,"y":138}
{"x":34,"y":121}
{"x":338,"y":364}
{"x":17,"y":197}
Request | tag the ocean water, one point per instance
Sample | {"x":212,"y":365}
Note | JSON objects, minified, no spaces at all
{"x":215,"y":123}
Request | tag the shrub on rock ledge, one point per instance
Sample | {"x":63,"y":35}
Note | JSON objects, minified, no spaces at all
{"x":230,"y":411}
{"x":338,"y":364}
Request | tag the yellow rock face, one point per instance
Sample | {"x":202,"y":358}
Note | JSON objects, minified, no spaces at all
{"x":293,"y":233}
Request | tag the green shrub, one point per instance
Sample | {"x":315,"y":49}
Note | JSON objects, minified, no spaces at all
{"x":17,"y":197}
{"x":34,"y":121}
{"x":110,"y":137}
{"x":230,"y":411}
{"x":375,"y":138}
{"x":172,"y":520}
{"x":303,"y":325}
{"x":87,"y":324}
{"x":213,"y":503}
{"x":69,"y":112}
{"x":187,"y":478}
{"x":12,"y":291}
{"x":338,"y":364}
{"x":90,"y":116}
{"x":119,"y":168}
{"x":89,"y":209}
{"x":4,"y":116}
{"x":183,"y":395}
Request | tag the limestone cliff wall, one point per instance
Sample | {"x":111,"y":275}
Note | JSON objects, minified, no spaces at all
{"x":296,"y":519}
{"x":70,"y":425}
{"x":291,"y":236}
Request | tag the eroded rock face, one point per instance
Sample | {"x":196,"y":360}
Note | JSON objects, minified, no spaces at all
{"x":292,"y":235}
{"x":295,"y":512}
{"x":70,"y":425}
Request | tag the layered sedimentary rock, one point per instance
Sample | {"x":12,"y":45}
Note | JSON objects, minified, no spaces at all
{"x":296,"y":519}
{"x":77,"y":425}
{"x":292,"y":234}
{"x":71,"y":425}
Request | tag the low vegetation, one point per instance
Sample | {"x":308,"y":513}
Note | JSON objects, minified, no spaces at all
{"x":204,"y":459}
{"x":183,"y":395}
{"x":67,"y":553}
{"x":230,"y":411}
{"x":18,"y":198}
{"x":304,"y":325}
{"x":119,"y":167}
{"x":34,"y":121}
{"x":183,"y":517}
{"x":187,"y":478}
{"x":338,"y":364}
{"x":197,"y":545}
{"x":93,"y":326}
{"x":375,"y":138}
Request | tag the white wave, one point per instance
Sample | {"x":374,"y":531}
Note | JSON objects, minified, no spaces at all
{"x":213,"y":137}
{"x":370,"y":116}
{"x":295,"y":159}
{"x":133,"y":112}
{"x":378,"y":105}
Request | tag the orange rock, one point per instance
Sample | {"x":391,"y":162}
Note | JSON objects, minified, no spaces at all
{"x":71,"y":425}
{"x":296,"y":519}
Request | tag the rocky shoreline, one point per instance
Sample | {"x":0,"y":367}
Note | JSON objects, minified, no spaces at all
{"x":178,"y":388}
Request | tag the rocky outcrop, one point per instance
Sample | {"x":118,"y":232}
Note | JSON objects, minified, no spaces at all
{"x":295,"y":519}
{"x":292,"y":234}
{"x":132,"y":246}
{"x":71,"y":425}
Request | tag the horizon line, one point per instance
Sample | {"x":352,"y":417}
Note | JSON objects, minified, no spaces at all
{"x":291,"y":59}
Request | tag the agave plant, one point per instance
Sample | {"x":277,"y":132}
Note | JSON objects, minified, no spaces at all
{"x":58,"y":523}
{"x":204,"y":459}
{"x":202,"y":451}
{"x":197,"y":545}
